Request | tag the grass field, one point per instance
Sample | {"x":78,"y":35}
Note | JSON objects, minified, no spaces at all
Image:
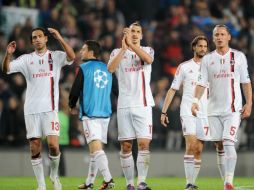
{"x":163,"y":183}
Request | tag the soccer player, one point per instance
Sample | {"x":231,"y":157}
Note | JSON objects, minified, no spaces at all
{"x":195,"y":131}
{"x":225,"y":69}
{"x":92,"y":87}
{"x":132,"y":64}
{"x":41,"y":70}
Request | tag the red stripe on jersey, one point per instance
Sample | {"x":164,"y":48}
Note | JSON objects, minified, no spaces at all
{"x":143,"y":85}
{"x":50,"y":61}
{"x":232,"y":69}
{"x":52,"y":92}
{"x":233,"y":96}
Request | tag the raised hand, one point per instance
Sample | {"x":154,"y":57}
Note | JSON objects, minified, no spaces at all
{"x":11,"y":47}
{"x":124,"y":45}
{"x":55,"y":33}
{"x":127,"y":33}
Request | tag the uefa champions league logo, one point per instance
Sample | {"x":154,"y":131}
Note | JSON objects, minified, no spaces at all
{"x":100,"y":78}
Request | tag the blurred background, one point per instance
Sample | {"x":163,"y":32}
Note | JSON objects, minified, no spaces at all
{"x":168,"y":26}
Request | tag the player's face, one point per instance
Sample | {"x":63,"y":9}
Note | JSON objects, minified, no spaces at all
{"x":39,"y":40}
{"x":221,"y":37}
{"x":84,"y":52}
{"x":201,"y":48}
{"x":136,"y":34}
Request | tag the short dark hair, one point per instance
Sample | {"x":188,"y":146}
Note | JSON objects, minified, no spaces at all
{"x":197,"y":39}
{"x":136,"y":23}
{"x":94,"y":46}
{"x":223,"y":26}
{"x":41,"y":29}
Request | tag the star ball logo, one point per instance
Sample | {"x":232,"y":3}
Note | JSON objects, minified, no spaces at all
{"x":100,"y":78}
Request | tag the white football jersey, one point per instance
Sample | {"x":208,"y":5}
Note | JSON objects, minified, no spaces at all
{"x":224,"y":74}
{"x":134,"y":79}
{"x":42,"y":73}
{"x":187,"y":75}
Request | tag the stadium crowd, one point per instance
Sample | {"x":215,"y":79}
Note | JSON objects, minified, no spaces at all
{"x":169,"y":26}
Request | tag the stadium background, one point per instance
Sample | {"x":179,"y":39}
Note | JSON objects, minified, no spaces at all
{"x":168,"y":27}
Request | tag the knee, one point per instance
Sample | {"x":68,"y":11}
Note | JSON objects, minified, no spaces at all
{"x":143,"y":145}
{"x":198,"y":151}
{"x":126,"y":147}
{"x":53,"y":148}
{"x":219,"y":146}
{"x":35,"y":148}
{"x":190,"y":148}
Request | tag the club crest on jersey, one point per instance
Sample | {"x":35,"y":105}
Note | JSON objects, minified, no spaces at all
{"x":222,"y":61}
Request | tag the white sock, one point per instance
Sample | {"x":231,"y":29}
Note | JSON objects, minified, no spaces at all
{"x":54,"y":164}
{"x":38,"y":172}
{"x":221,"y":163}
{"x":92,"y":171}
{"x":197,"y":165}
{"x":127,"y":164}
{"x":189,"y":168}
{"x":230,"y":157}
{"x":143,"y":161}
{"x":101,"y":161}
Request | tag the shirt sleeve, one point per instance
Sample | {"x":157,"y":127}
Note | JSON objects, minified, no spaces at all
{"x":62,"y":58}
{"x":178,"y":79}
{"x":113,"y":54}
{"x":18,"y":65}
{"x":151,"y":52}
{"x":244,"y":74}
{"x":203,"y":74}
{"x":76,"y":89}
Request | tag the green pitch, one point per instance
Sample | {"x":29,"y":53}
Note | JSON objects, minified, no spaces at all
{"x":163,"y":183}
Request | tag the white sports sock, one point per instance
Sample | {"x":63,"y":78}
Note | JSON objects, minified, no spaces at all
{"x":127,"y":164}
{"x":101,"y":161}
{"x":143,"y":161}
{"x":221,"y":163}
{"x":54,"y":164}
{"x":189,"y":168}
{"x":197,"y":165}
{"x":92,"y":171}
{"x":38,"y":172}
{"x":230,"y":157}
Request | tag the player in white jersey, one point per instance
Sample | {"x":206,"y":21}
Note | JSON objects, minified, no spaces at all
{"x":41,"y":70}
{"x":225,"y":69}
{"x":132,"y":64}
{"x":195,"y":131}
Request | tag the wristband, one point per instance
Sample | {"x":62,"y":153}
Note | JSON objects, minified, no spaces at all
{"x":195,"y":100}
{"x":164,"y":113}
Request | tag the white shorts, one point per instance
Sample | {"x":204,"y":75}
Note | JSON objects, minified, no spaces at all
{"x":134,"y":123}
{"x":202,"y":129}
{"x":188,"y":125}
{"x":224,"y":127}
{"x":42,"y":124}
{"x":95,"y":129}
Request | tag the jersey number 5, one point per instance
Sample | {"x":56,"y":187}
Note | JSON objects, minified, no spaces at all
{"x":232,"y":130}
